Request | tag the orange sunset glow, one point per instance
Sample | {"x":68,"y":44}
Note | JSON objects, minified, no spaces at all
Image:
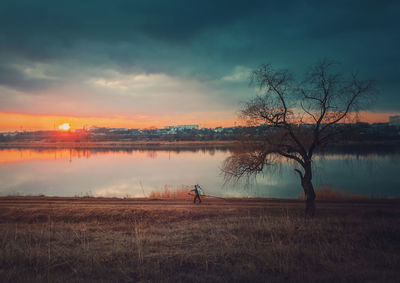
{"x":64,"y":127}
{"x":19,"y":121}
{"x":29,"y":122}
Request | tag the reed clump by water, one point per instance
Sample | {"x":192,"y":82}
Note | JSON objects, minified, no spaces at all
{"x":94,"y":240}
{"x":168,"y":192}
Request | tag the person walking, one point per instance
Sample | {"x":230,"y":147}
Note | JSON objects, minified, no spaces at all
{"x":197,"y":193}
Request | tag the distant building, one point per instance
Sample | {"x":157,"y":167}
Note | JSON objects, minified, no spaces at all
{"x":394,"y":120}
{"x":97,"y":129}
{"x":118,"y":130}
{"x":188,"y":127}
{"x":181,"y":127}
{"x":10,"y":134}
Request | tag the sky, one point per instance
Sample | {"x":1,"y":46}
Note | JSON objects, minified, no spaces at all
{"x":140,"y":64}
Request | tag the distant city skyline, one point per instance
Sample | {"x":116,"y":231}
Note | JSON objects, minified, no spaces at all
{"x":27,"y":122}
{"x":69,"y":126}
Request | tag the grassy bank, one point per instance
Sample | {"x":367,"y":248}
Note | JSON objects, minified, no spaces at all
{"x":128,"y":240}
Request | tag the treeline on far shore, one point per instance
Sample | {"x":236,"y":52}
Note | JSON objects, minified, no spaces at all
{"x":348,"y":133}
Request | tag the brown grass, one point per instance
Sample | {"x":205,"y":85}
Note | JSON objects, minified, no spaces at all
{"x":181,"y":192}
{"x":327,"y":192}
{"x":104,"y":240}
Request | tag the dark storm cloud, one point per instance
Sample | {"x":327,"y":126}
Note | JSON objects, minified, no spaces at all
{"x":41,"y":30}
{"x":13,"y":77}
{"x":110,"y":20}
{"x":204,"y":40}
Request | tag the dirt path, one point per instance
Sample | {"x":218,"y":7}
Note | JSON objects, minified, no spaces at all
{"x":34,"y":209}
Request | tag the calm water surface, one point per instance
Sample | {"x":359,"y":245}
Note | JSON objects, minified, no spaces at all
{"x":136,"y":173}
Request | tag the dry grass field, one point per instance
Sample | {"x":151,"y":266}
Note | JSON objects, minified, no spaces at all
{"x":48,"y":239}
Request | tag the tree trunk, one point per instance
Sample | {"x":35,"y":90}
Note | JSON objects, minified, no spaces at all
{"x":310,"y":197}
{"x":309,"y":192}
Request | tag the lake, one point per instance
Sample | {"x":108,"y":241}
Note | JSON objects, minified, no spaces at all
{"x":136,"y":173}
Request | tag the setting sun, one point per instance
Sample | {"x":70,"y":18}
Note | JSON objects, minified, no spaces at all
{"x":65,"y":127}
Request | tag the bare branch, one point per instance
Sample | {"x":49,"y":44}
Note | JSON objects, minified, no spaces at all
{"x":324,"y":97}
{"x":300,"y":174}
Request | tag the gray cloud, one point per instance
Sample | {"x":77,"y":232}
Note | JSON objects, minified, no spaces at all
{"x":22,"y":79}
{"x":75,"y":41}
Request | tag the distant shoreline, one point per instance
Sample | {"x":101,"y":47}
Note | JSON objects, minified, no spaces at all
{"x":122,"y":144}
{"x":210,"y":144}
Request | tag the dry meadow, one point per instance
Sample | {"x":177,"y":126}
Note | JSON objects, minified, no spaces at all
{"x":46,"y":239}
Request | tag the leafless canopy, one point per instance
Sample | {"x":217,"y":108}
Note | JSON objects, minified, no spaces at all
{"x":299,"y":116}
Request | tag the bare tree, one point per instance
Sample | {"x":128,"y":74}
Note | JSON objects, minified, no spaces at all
{"x":299,"y":117}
